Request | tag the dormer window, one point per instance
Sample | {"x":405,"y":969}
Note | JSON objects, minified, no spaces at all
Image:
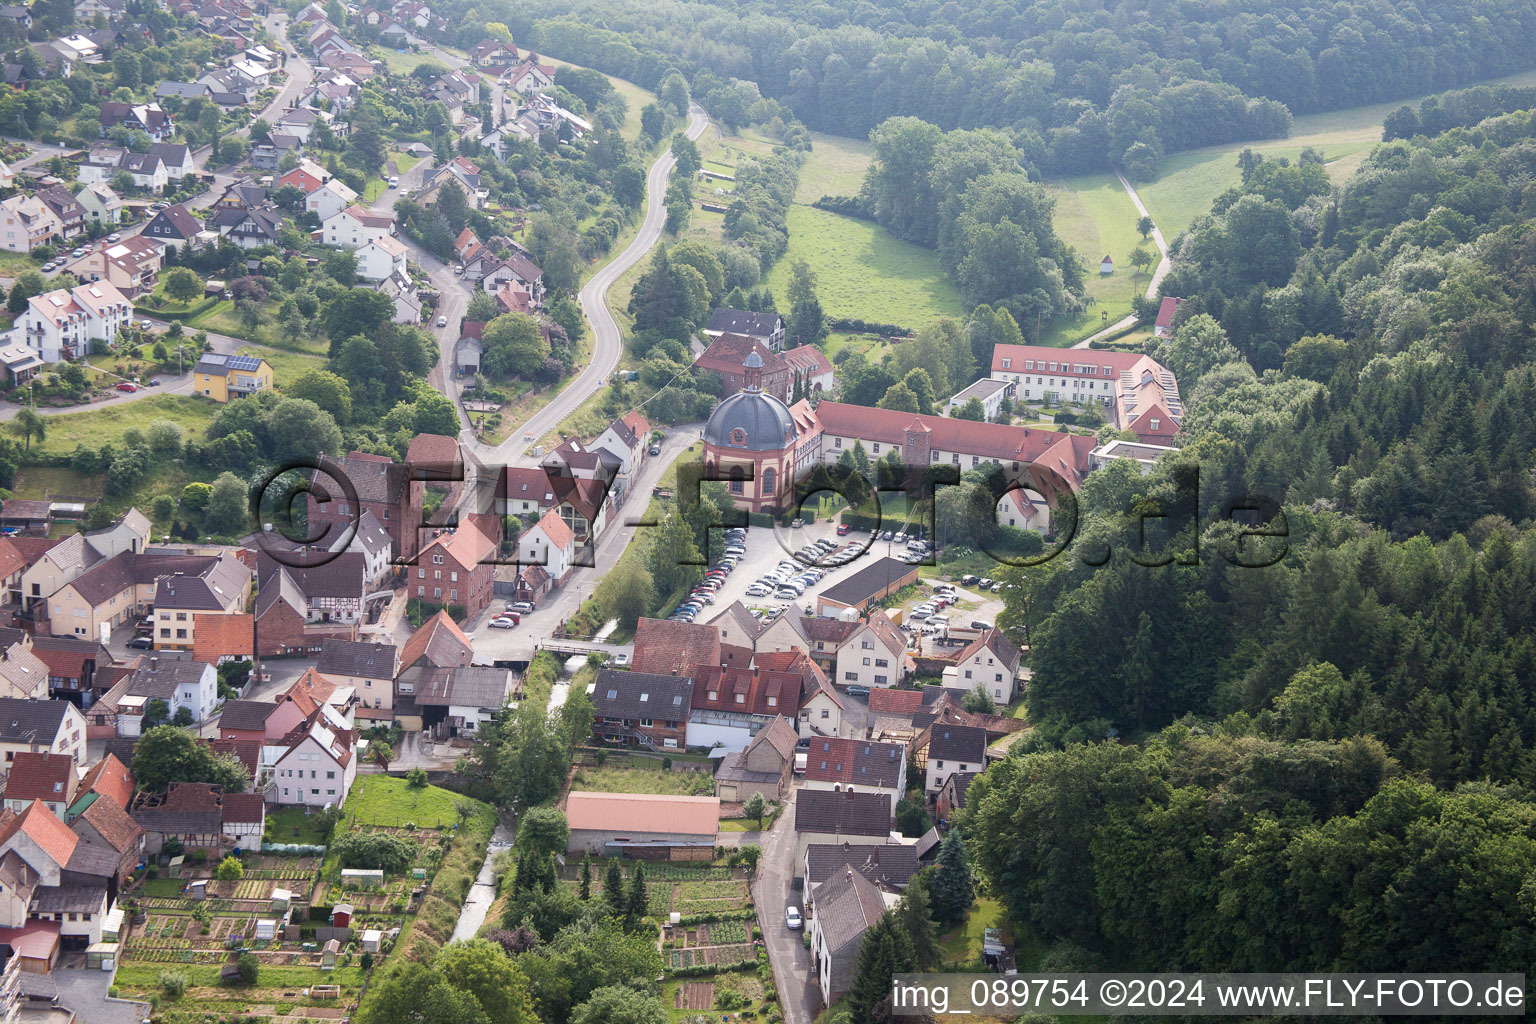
{"x":773,"y":702}
{"x":741,"y":698}
{"x":714,"y":694}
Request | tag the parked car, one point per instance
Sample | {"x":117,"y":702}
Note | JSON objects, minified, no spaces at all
{"x":394,"y":181}
{"x":115,"y":237}
{"x":795,"y":524}
{"x":842,"y":529}
{"x":442,"y":321}
{"x":141,"y":643}
{"x":520,"y":606}
{"x":514,"y":616}
{"x":978,"y":624}
{"x":128,"y":386}
{"x":886,"y":535}
{"x":501,"y":623}
{"x":967,"y":580}
{"x":997,"y":588}
{"x":792,"y":919}
{"x":654,"y":449}
{"x":984,"y":583}
{"x":858,"y":691}
{"x":154,"y":382}
{"x":621,"y":658}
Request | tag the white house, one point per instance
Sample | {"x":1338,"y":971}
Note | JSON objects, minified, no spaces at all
{"x":177,"y":159}
{"x":61,"y":324}
{"x":821,"y":714}
{"x":402,"y":292}
{"x":627,"y":439}
{"x":951,"y":749}
{"x":355,"y":227}
{"x":989,"y":392}
{"x":380,"y":258}
{"x":873,"y":656}
{"x":329,"y":199}
{"x":317,"y":769}
{"x":178,"y":681}
{"x":991,"y":661}
{"x":102,"y":205}
{"x":39,"y":725}
{"x":550,"y":543}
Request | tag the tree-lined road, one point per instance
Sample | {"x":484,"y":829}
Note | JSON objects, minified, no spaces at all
{"x":607,"y":342}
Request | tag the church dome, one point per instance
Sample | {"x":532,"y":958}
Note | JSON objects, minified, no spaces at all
{"x":750,"y":420}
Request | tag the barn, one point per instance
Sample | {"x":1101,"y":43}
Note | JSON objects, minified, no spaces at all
{"x":643,"y":826}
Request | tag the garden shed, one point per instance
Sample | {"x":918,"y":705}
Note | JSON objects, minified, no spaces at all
{"x":363,"y":878}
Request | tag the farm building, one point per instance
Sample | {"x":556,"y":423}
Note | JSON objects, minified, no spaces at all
{"x":643,"y":826}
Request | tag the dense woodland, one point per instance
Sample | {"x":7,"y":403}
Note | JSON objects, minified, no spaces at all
{"x":1076,"y":84}
{"x":1337,"y":721}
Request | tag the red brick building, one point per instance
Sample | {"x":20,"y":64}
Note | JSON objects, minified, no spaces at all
{"x":381,"y":486}
{"x":458,"y":568}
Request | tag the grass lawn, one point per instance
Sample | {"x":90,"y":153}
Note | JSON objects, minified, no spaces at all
{"x":387,"y":801}
{"x":98,"y":426}
{"x":963,"y":942}
{"x":404,"y":161}
{"x":864,"y":272}
{"x":292,"y":825}
{"x":286,"y":365}
{"x":617,"y":779}
{"x":164,"y":888}
{"x":403,"y":63}
{"x":836,"y":168}
{"x":748,"y":824}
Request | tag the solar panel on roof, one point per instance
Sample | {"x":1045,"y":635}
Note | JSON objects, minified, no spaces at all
{"x":244,"y":363}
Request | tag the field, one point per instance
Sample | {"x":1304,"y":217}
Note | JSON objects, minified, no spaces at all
{"x":612,"y":779}
{"x":1190,"y":181}
{"x":382,"y":800}
{"x":863,"y":272}
{"x":98,"y":426}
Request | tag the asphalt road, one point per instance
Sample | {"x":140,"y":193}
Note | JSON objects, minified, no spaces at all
{"x":607,"y":342}
{"x":772,"y":891}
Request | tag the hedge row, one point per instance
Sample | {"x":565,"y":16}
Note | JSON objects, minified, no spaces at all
{"x":182,"y":315}
{"x":840,"y":323}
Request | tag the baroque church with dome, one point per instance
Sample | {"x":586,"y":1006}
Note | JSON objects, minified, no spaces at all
{"x":759,"y":445}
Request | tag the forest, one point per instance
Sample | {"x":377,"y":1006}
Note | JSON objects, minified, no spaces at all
{"x":1078,"y":85}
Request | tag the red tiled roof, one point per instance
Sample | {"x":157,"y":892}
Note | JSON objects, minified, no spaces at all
{"x":760,"y":692}
{"x":244,"y":808}
{"x":112,"y":779}
{"x":45,"y":829}
{"x":903,"y":703}
{"x":969,"y":437}
{"x":11,"y":558}
{"x":553,"y":527}
{"x":215,"y":636}
{"x":45,"y":776}
{"x":114,"y":824}
{"x":669,"y":648}
{"x":849,"y":761}
{"x":1166,"y":309}
{"x":440,"y":637}
{"x":309,"y":691}
{"x":433,"y":449}
{"x":727,"y":353}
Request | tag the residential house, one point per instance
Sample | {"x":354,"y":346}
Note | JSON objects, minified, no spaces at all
{"x":47,"y":777}
{"x":455,"y":90}
{"x":221,"y":586}
{"x":56,"y":567}
{"x":1162,"y":327}
{"x":359,"y":483}
{"x":821,"y":712}
{"x":117,"y":590}
{"x":306,"y":177}
{"x":458,"y":567}
{"x":143,"y":117}
{"x":990,"y":393}
{"x":952,"y":749}
{"x":355,"y":227}
{"x":26,"y":222}
{"x":249,"y":229}
{"x":402,"y":293}
{"x":642,"y":709}
{"x":22,"y":673}
{"x":176,"y":157}
{"x":730,"y":705}
{"x":767,"y":328}
{"x":101,"y":204}
{"x":241,"y":195}
{"x":517,"y":269}
{"x":219,"y":638}
{"x":992,"y":662}
{"x":332,"y":588}
{"x":132,"y":266}
{"x":180,"y":90}
{"x":667,"y":647}
{"x":874,"y":655}
{"x":628,"y":440}
{"x":61,"y":324}
{"x":492,"y":53}
{"x":317,"y":768}
{"x":847,"y":906}
{"x":550,"y":545}
{"x":439,"y":644}
{"x":147,"y":170}
{"x":173,"y":226}
{"x":66,"y":208}
{"x":267,"y":153}
{"x":328,"y":198}
{"x":223,"y":377}
{"x":39,"y":725}
{"x":846,"y":816}
{"x":368,"y":669}
{"x":300,"y":121}
{"x":461,"y":171}
{"x":170,"y":677}
{"x":862,"y":765}
{"x":529,"y":77}
{"x":764,"y":768}
{"x":72,"y":665}
{"x":890,"y":865}
{"x":189,"y":812}
{"x":380,"y":258}
{"x":57,"y":893}
{"x":107,"y":830}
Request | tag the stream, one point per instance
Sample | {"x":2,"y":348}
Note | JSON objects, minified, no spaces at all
{"x":483,"y":893}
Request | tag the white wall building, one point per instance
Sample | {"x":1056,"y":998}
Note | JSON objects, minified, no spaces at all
{"x":61,"y":324}
{"x":874,"y":656}
{"x":355,"y":227}
{"x":317,"y":770}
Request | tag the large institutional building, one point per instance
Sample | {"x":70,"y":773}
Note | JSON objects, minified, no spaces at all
{"x":761,"y":446}
{"x":1139,"y":393}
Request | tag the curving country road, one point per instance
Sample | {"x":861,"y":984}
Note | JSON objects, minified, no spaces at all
{"x":607,"y":343}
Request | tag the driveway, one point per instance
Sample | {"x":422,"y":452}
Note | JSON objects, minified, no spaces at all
{"x":772,"y":891}
{"x":85,"y":992}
